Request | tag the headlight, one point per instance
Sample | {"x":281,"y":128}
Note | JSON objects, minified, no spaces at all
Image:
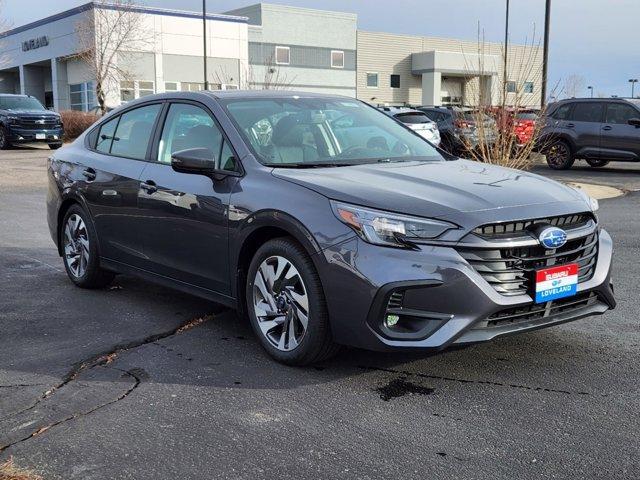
{"x":384,"y":228}
{"x":592,"y":202}
{"x":12,"y":119}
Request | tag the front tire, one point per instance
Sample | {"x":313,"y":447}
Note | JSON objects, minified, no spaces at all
{"x":80,"y":250}
{"x":4,"y":141}
{"x":286,"y":304}
{"x":597,"y":163}
{"x":560,"y":156}
{"x":55,"y":146}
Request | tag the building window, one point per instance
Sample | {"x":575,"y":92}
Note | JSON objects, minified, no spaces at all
{"x":131,"y":90}
{"x":337,"y":59}
{"x":283,"y":55}
{"x":127,"y":91}
{"x":82,"y":96}
{"x":372,"y":79}
{"x":171,"y":87}
{"x":511,"y":86}
{"x":191,"y":86}
{"x":528,"y":87}
{"x":394,"y":81}
{"x":145,"y":88}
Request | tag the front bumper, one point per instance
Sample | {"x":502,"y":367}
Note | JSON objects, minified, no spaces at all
{"x":28,"y":135}
{"x":448,"y":300}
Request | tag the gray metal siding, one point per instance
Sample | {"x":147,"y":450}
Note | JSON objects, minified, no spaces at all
{"x":300,"y":56}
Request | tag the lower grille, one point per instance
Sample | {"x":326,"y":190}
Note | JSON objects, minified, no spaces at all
{"x":526,"y":313}
{"x":510,"y":271}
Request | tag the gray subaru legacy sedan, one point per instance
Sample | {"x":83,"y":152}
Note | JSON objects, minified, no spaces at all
{"x":325,"y":222}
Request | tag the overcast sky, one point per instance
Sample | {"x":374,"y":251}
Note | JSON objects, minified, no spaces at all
{"x":591,"y":38}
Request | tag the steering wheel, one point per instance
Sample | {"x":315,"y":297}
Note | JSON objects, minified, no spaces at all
{"x":354,"y":151}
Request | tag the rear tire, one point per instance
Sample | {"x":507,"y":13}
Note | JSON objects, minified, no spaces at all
{"x":560,"y":156}
{"x":4,"y":141}
{"x":80,"y":250}
{"x":598,"y":163}
{"x":286,"y":304}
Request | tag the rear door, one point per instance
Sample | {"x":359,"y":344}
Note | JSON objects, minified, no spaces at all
{"x":619,"y":140}
{"x":585,"y":123}
{"x":112,"y":171}
{"x":184,"y":216}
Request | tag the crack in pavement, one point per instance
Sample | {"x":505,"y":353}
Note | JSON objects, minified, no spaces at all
{"x":478,"y":382}
{"x":18,"y":385}
{"x":101,"y":360}
{"x":45,"y":428}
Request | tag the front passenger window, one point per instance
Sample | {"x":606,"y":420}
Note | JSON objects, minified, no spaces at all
{"x":188,"y":126}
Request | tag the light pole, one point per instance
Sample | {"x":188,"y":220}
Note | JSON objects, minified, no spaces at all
{"x":545,"y":52}
{"x":632,"y":81}
{"x":506,"y":42}
{"x":590,"y":88}
{"x":204,"y":42}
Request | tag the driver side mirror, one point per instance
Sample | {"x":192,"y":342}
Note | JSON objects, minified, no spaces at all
{"x":200,"y":161}
{"x":634,"y":121}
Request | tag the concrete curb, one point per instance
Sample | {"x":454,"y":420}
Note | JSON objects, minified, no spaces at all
{"x":598,"y":192}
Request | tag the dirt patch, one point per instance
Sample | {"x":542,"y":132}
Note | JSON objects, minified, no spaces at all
{"x":9,"y":471}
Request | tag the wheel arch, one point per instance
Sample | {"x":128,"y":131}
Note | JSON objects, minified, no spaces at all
{"x":68,"y":201}
{"x":255,"y":231}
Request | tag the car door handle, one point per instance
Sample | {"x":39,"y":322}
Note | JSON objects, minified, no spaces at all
{"x":149,"y":186}
{"x":89,"y":174}
{"x":607,"y":127}
{"x":570,"y":125}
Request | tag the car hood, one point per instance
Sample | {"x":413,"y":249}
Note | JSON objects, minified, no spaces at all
{"x":441,"y":189}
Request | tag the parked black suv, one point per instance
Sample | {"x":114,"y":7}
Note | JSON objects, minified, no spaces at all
{"x":458,"y":127}
{"x":23,"y":119}
{"x":596,"y":130}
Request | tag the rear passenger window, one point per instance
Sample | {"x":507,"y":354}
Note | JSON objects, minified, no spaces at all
{"x":587,"y":112}
{"x":134,"y":132}
{"x":619,"y":113}
{"x":105,"y":135}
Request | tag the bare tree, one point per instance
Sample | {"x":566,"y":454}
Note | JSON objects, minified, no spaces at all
{"x":4,"y":26}
{"x":574,"y":86}
{"x":502,"y":101}
{"x":109,"y":29}
{"x":274,"y":78}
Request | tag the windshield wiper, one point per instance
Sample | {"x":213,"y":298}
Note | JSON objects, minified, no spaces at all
{"x":310,"y":165}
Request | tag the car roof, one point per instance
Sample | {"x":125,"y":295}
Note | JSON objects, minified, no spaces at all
{"x":16,"y":95}
{"x":397,"y":110}
{"x":226,"y":94}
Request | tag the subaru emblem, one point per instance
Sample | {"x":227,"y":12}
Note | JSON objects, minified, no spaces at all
{"x":552,"y":237}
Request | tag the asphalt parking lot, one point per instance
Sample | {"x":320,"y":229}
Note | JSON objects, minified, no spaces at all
{"x":140,"y":382}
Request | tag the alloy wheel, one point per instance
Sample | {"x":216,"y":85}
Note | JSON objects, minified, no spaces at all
{"x":558,"y":154}
{"x":76,"y":245}
{"x":280,"y":303}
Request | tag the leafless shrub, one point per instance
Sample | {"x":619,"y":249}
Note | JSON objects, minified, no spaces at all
{"x":75,"y":123}
{"x":495,"y":118}
{"x":109,"y":28}
{"x":573,"y":86}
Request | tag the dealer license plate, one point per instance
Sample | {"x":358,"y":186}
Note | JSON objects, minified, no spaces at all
{"x":41,"y":136}
{"x":556,"y":282}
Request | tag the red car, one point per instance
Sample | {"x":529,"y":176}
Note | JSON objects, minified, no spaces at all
{"x":522,"y":123}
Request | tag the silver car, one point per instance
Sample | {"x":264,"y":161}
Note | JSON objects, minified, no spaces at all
{"x":417,"y":121}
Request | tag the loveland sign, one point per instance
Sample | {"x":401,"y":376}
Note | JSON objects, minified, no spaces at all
{"x":34,"y":43}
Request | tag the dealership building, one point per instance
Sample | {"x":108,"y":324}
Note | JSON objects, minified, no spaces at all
{"x":264,"y":46}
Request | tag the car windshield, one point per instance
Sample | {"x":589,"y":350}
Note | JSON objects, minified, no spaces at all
{"x":314,"y":132}
{"x":413,"y":117}
{"x":20,"y":103}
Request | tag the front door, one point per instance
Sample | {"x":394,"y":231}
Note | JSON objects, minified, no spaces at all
{"x":619,"y":140}
{"x":184,"y":221}
{"x":112,"y":172}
